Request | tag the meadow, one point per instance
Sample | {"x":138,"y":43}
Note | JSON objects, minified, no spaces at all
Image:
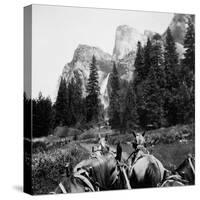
{"x":50,"y":154}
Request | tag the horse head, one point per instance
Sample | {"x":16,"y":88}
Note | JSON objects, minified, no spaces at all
{"x":187,"y":169}
{"x":139,"y":146}
{"x":139,"y":138}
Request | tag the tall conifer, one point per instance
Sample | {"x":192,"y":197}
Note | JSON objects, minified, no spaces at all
{"x":171,"y":79}
{"x":114,"y":106}
{"x":92,"y":89}
{"x":61,"y":104}
{"x":188,"y":70}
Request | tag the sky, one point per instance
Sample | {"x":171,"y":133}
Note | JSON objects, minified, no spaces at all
{"x":58,"y":30}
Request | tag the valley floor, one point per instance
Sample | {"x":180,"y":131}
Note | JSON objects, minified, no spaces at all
{"x":170,"y":146}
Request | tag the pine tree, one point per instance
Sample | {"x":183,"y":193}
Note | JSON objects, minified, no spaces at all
{"x":147,"y":59}
{"x":42,"y":116}
{"x":189,"y":45}
{"x":61,"y":104}
{"x":92,"y":89}
{"x":78,"y":98}
{"x":122,"y":101}
{"x":130,"y":117}
{"x":139,"y":72}
{"x":157,"y":63}
{"x":27,"y":116}
{"x":150,"y":95}
{"x":189,"y":60}
{"x":157,"y":75}
{"x":71,"y":119}
{"x":142,"y":68}
{"x":171,"y":62}
{"x":171,"y":79}
{"x":114,"y":106}
{"x":188,"y":71}
{"x":75,"y":100}
{"x":148,"y":104}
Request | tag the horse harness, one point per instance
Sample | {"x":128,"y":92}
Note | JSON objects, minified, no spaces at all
{"x":144,"y":152}
{"x":84,"y":178}
{"x":177,"y":177}
{"x":90,"y":184}
{"x":191,"y":165}
{"x":174,"y":178}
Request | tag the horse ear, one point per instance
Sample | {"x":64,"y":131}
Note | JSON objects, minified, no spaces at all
{"x":189,"y":155}
{"x":143,"y":133}
{"x":134,"y":134}
{"x":68,"y":169}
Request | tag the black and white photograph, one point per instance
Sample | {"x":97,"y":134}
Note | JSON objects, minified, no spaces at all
{"x":109,"y":99}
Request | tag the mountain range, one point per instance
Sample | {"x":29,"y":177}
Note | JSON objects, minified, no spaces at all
{"x":124,"y":53}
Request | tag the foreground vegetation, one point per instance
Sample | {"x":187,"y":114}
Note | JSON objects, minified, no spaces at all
{"x":169,"y":145}
{"x":48,"y":167}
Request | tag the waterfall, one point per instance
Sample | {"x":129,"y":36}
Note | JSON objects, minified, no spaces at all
{"x":104,"y":92}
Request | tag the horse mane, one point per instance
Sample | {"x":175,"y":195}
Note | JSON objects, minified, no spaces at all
{"x":152,"y":176}
{"x":102,"y":169}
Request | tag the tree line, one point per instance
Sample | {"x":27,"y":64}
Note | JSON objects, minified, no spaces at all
{"x":162,"y":91}
{"x":160,"y":95}
{"x":70,"y":109}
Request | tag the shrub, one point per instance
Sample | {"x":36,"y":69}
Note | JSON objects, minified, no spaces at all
{"x":48,"y":167}
{"x":64,"y":131}
{"x":169,"y":135}
{"x":89,"y":134}
{"x":38,"y":147}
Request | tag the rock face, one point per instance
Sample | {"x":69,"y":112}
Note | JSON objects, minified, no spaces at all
{"x":126,"y":66}
{"x":178,"y":27}
{"x":81,"y":64}
{"x":124,"y":53}
{"x":126,"y":39}
{"x":149,"y":34}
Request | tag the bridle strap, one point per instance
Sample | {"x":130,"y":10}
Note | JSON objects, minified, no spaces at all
{"x":85,"y":180}
{"x":62,"y":188}
{"x":176,"y":178}
{"x":139,"y":148}
{"x":170,"y":180}
{"x":126,"y":178}
{"x":191,"y":165}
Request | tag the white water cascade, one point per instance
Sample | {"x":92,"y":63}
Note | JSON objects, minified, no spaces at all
{"x":104,"y":92}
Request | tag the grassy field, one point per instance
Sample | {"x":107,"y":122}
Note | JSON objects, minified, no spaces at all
{"x":171,"y":155}
{"x":169,"y":145}
{"x":48,"y":167}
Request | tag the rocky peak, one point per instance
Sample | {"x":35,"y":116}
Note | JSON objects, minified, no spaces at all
{"x":81,"y":64}
{"x":126,"y":39}
{"x":84,"y":53}
{"x":178,"y":27}
{"x":124,"y":53}
{"x":149,"y":34}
